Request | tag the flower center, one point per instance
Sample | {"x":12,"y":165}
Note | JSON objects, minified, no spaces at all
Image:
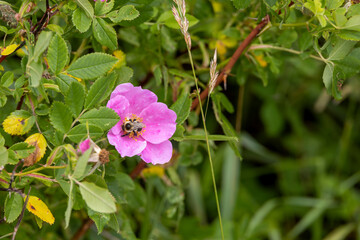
{"x":132,"y":127}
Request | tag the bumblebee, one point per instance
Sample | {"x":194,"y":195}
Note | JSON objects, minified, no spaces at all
{"x":132,"y":127}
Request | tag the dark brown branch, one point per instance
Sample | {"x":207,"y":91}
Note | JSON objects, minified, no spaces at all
{"x":137,"y":170}
{"x":84,"y":228}
{"x":37,"y":28}
{"x":227,"y":69}
{"x":21,"y":215}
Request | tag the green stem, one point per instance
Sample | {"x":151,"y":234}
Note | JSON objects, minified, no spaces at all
{"x":207,"y":144}
{"x":37,"y":170}
{"x":267,"y":46}
{"x":73,"y":123}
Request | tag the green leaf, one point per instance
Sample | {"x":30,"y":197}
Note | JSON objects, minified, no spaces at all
{"x":103,"y":7}
{"x":239,"y":4}
{"x":87,"y":7}
{"x":92,"y":65}
{"x":2,"y":141}
{"x":126,"y":13}
{"x":179,"y":133}
{"x":105,"y":34}
{"x":81,"y":164}
{"x":353,"y":23}
{"x":260,"y":214}
{"x":100,"y":90}
{"x":97,"y":198}
{"x":124,"y":74}
{"x":339,"y":16}
{"x":3,"y":100}
{"x":22,"y":149}
{"x":333,"y":4}
{"x":341,"y":49}
{"x":271,"y":2}
{"x":182,"y":107}
{"x":41,"y":44}
{"x":146,"y":13}
{"x":338,"y":78}
{"x":79,"y":132}
{"x":157,"y":75}
{"x":57,"y":54}
{"x":100,"y":219}
{"x":3,"y":156}
{"x":64,"y":82}
{"x":328,"y":76}
{"x":7,"y":79}
{"x":168,"y":19}
{"x":75,"y":97}
{"x":69,"y":205}
{"x":35,"y":71}
{"x":103,"y":117}
{"x":60,"y":117}
{"x":349,"y":35}
{"x":341,"y":232}
{"x":309,"y":218}
{"x":81,"y":21}
{"x":13,"y":207}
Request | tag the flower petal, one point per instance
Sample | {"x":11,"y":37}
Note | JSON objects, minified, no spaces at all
{"x":159,"y":123}
{"x":138,"y":98}
{"x":84,"y":145}
{"x":157,"y":153}
{"x":127,"y":147}
{"x":120,"y":105}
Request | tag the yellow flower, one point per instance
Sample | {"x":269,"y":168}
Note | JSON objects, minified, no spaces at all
{"x":9,"y":49}
{"x":122,"y":59}
{"x":38,"y":141}
{"x":18,"y":123}
{"x":153,"y":171}
{"x":222,"y":44}
{"x":39,"y":208}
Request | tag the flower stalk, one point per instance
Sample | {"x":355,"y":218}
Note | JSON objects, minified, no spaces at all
{"x":184,"y":24}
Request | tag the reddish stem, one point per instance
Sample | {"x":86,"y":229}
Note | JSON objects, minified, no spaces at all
{"x":227,"y":69}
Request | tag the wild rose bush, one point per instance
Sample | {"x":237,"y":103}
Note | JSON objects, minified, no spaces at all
{"x":103,"y":135}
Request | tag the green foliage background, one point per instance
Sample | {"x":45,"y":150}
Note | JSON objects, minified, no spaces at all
{"x":284,"y":131}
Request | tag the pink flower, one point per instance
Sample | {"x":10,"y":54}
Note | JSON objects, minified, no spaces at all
{"x":84,"y":145}
{"x":145,"y":125}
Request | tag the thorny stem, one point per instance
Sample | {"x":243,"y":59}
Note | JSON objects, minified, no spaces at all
{"x":227,"y":69}
{"x":207,"y":144}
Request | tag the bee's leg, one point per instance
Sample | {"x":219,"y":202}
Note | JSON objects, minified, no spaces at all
{"x":127,"y":134}
{"x":135,"y":134}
